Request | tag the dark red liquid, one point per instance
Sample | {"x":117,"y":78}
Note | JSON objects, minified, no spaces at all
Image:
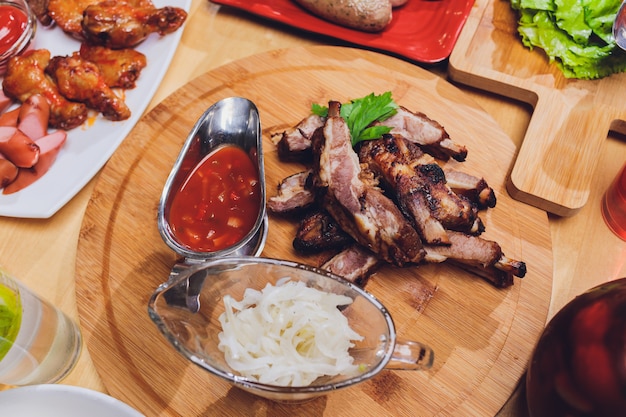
{"x":578,"y":367}
{"x":614,"y":205}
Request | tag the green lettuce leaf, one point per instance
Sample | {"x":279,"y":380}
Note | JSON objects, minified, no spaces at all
{"x":575,"y":34}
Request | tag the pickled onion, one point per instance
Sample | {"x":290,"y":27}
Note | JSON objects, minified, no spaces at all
{"x":287,"y":335}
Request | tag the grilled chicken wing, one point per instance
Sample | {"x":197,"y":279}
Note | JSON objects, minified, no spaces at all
{"x":119,"y":67}
{"x":40,"y":8}
{"x":80,"y":80}
{"x":121,"y":25}
{"x":68,"y":14}
{"x":26,"y":76}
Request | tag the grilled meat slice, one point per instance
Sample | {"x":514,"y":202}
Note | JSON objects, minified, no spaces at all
{"x":495,"y":276}
{"x":361,"y":210}
{"x":294,"y":145}
{"x":420,"y":188}
{"x":453,"y":211}
{"x":355,"y":264}
{"x":318,"y":232}
{"x":480,"y":256}
{"x":294,"y":194}
{"x":473,"y":188}
{"x":414,"y":204}
{"x":429,"y":134}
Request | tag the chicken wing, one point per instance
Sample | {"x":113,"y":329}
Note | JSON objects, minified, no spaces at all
{"x":26,"y":76}
{"x":80,"y":80}
{"x":119,"y":67}
{"x":68,"y":14}
{"x":122,"y":25}
{"x":40,"y":8}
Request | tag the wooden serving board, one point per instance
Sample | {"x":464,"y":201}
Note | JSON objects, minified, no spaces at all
{"x":482,"y":336}
{"x":570,"y":120}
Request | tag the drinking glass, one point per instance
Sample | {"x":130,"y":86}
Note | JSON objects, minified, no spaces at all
{"x":614,"y":205}
{"x":39,"y":344}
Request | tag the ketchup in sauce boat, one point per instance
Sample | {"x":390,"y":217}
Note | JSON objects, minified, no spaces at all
{"x":219,"y":202}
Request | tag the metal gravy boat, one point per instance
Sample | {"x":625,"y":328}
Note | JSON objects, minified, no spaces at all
{"x":234,"y":121}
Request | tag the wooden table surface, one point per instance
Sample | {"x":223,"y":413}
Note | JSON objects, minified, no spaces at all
{"x":42,"y":252}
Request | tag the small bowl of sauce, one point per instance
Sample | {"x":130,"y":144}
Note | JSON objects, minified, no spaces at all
{"x":18,"y":25}
{"x":213,"y":202}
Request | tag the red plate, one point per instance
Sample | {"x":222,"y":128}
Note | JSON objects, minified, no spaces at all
{"x":422,"y":30}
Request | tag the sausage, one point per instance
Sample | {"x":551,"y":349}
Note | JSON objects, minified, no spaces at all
{"x":50,"y":146}
{"x":5,"y":101}
{"x":33,"y":116}
{"x":398,"y":3}
{"x":364,"y":15}
{"x":8,"y":172}
{"x":19,"y":148}
{"x":10,"y":118}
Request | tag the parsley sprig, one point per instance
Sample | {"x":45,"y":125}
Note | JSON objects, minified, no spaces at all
{"x":360,"y":113}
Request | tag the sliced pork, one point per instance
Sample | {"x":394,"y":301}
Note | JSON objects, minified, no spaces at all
{"x":473,"y":188}
{"x":295,"y":144}
{"x":361,"y":210}
{"x":419,"y":186}
{"x":429,"y":134}
{"x":318,"y":232}
{"x":293,"y":194}
{"x":480,"y":256}
{"x":355,"y":264}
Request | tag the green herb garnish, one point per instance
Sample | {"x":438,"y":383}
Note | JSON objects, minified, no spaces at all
{"x":360,"y":113}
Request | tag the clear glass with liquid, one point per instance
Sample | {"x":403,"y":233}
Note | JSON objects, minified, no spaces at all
{"x":39,"y":344}
{"x":614,"y":205}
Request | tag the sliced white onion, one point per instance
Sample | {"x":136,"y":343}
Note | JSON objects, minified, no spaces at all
{"x":287,"y":335}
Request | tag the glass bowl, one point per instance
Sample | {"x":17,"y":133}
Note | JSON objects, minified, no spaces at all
{"x":187,"y":307}
{"x":15,"y":44}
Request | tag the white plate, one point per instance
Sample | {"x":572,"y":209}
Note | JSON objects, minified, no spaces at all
{"x":61,"y":401}
{"x":88,"y":147}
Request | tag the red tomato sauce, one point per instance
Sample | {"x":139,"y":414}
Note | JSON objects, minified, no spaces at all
{"x":12,"y":25}
{"x":218,"y":203}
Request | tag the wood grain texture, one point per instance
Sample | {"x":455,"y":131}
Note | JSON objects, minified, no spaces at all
{"x":571,"y":118}
{"x":482,"y":336}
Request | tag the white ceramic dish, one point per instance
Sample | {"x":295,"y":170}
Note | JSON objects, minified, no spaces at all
{"x":88,"y":147}
{"x":55,"y":400}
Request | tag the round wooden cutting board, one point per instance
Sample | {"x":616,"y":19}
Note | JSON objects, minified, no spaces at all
{"x":482,"y":336}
